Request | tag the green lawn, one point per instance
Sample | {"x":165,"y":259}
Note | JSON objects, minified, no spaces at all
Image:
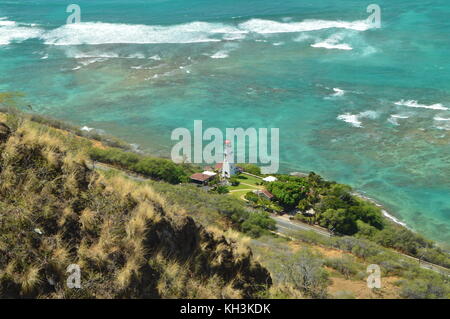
{"x":238,"y":193}
{"x":248,"y":183}
{"x":243,"y":178}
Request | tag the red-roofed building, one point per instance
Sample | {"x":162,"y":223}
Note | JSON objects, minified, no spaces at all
{"x":201,"y":178}
{"x":264,"y":193}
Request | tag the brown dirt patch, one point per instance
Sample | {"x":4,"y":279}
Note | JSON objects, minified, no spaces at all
{"x":359,"y":289}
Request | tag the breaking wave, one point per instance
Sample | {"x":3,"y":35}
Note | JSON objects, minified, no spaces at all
{"x":11,"y":31}
{"x":413,"y":103}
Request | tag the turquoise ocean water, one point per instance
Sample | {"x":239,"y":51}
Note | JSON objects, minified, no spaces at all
{"x":363,"y":106}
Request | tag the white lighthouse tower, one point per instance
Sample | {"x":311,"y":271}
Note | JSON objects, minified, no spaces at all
{"x":228,"y":168}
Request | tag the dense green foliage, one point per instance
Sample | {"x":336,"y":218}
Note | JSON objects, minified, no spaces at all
{"x":155,"y":168}
{"x":251,"y":168}
{"x":234,"y":181}
{"x":290,"y":193}
{"x":257,"y":223}
{"x":334,"y":206}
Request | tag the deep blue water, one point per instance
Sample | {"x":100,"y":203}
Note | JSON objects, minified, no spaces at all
{"x":139,"y":69}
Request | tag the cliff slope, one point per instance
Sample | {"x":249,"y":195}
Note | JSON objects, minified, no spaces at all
{"x":126,"y":239}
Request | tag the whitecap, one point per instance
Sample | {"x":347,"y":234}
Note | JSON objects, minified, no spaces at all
{"x":393,"y":119}
{"x":234,"y":36}
{"x":92,"y":61}
{"x":438,"y":118}
{"x":338,"y":92}
{"x":414,"y":103}
{"x":220,"y":55}
{"x":331,"y":46}
{"x":104,"y":33}
{"x":7,"y":23}
{"x":352,"y":119}
{"x":333,"y":43}
{"x":399,"y":116}
{"x":268,"y":26}
{"x":369,"y":114}
{"x":11,"y":31}
{"x":355,"y":119}
{"x":136,"y":56}
{"x":91,"y":55}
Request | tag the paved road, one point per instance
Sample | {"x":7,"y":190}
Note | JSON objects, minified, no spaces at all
{"x":284,"y":226}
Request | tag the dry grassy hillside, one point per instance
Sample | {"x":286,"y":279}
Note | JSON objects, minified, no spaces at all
{"x":128,"y":241}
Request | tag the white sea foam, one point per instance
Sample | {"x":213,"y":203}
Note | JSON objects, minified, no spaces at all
{"x":338,"y":92}
{"x":393,"y":119}
{"x":352,"y":119}
{"x":413,"y":103}
{"x":444,"y":123}
{"x":330,"y":46}
{"x":155,"y":57}
{"x":355,"y":119}
{"x":268,"y":26}
{"x":220,"y":55}
{"x":92,"y":55}
{"x":11,"y":31}
{"x":136,"y":56}
{"x":333,"y":43}
{"x":92,"y":61}
{"x":438,"y":118}
{"x":302,"y":37}
{"x":193,"y":32}
{"x":395,"y":220}
{"x":7,"y":23}
{"x":234,"y":36}
{"x":385,"y":213}
{"x":224,"y":52}
{"x":74,"y":53}
{"x":399,"y":116}
{"x":104,"y":33}
{"x":369,"y":114}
